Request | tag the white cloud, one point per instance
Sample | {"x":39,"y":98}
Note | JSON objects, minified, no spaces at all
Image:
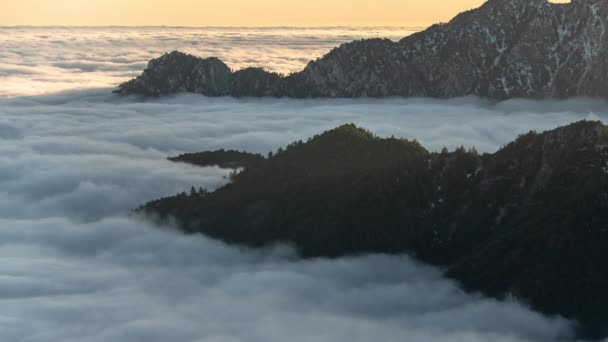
{"x":121,"y":280}
{"x":75,"y":267}
{"x":50,"y":59}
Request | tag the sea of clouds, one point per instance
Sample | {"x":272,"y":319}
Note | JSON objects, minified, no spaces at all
{"x":76,"y":266}
{"x":42,"y":60}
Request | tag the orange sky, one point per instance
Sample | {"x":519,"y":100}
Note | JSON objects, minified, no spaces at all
{"x":231,"y":12}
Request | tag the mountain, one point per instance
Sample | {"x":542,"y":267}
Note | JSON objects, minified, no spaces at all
{"x":530,"y":220}
{"x":503,"y":49}
{"x":226,"y":159}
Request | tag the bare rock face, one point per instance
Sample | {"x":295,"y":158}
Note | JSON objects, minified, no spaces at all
{"x":504,"y":49}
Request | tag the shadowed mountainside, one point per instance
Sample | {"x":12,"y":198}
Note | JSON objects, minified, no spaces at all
{"x":530,"y":220}
{"x":504,"y":49}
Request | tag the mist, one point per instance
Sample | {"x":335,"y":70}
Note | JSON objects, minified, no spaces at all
{"x":76,"y":265}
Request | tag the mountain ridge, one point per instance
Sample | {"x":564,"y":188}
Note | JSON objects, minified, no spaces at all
{"x":530,"y":220}
{"x":503,"y":49}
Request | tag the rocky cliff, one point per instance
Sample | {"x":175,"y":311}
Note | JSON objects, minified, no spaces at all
{"x":504,"y":49}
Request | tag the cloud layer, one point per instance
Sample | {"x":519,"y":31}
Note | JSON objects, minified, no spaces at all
{"x":121,"y":280}
{"x":74,"y":266}
{"x":50,"y":59}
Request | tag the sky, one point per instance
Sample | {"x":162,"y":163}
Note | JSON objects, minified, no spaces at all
{"x":231,"y":12}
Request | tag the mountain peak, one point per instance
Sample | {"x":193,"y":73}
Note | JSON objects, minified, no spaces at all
{"x":528,"y":221}
{"x":349,"y":130}
{"x":180,"y":72}
{"x":503,"y":49}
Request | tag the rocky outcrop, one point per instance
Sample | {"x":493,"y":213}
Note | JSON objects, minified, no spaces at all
{"x":177,"y":73}
{"x":504,"y":49}
{"x":227,"y":159}
{"x":529,"y":221}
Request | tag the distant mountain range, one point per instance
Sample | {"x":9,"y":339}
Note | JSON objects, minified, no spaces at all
{"x":530,"y":220}
{"x":503,"y":49}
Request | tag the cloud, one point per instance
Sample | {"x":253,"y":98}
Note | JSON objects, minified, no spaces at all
{"x":119,"y":279}
{"x":46,"y":60}
{"x":75,"y":266}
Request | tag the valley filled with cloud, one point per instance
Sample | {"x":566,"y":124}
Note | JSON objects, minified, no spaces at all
{"x":76,"y":265}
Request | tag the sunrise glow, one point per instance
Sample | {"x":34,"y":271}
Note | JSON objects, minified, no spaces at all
{"x":231,"y":12}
